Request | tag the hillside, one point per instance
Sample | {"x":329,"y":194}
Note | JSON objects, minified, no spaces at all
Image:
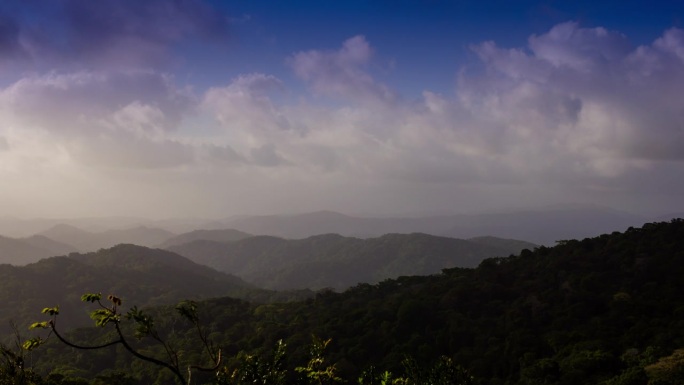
{"x":513,"y":246}
{"x":604,"y":310}
{"x":222,"y":235}
{"x":138,"y":274}
{"x":339,"y":262}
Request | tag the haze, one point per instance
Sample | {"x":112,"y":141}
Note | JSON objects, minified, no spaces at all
{"x":209,"y":109}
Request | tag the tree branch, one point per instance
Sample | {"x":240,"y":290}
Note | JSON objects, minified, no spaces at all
{"x":68,"y":343}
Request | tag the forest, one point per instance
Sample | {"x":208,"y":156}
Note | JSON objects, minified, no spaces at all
{"x":605,"y":310}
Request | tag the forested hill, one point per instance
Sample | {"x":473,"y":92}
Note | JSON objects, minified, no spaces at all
{"x":339,"y":262}
{"x":606,"y":310}
{"x":143,"y":276}
{"x":220,"y":235}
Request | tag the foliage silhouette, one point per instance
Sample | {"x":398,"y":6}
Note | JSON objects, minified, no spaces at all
{"x":110,"y":314}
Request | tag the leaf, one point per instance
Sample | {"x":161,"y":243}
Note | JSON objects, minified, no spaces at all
{"x":32,"y":343}
{"x":144,"y":323}
{"x":39,"y":325}
{"x":90,"y":297}
{"x":103,"y":316}
{"x":51,"y":310}
{"x":188,"y":310}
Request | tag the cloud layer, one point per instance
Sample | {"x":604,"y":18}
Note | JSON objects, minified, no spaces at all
{"x":575,"y":114}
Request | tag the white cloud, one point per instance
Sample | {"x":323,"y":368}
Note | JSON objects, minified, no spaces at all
{"x":581,"y":49}
{"x":577,"y":104}
{"x":341,"y":73}
{"x":576,"y":112}
{"x":118,"y":119}
{"x":588,"y":94}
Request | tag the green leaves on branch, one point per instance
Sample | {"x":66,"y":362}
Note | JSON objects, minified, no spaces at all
{"x":144,"y":323}
{"x":40,"y":325}
{"x":90,"y":297}
{"x":32,"y":343}
{"x":104,"y":316}
{"x":51,"y":310}
{"x":188,"y":310}
{"x":37,"y":341}
{"x":318,"y":371}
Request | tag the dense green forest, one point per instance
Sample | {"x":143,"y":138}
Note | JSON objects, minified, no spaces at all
{"x":606,"y":310}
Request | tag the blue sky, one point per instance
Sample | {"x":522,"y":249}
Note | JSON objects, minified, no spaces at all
{"x":420,"y":43}
{"x":199,"y":108}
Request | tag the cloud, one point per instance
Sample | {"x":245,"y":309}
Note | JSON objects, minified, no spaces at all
{"x":581,"y":49}
{"x":249,"y":119}
{"x":245,"y":107}
{"x":122,"y":119}
{"x":341,"y":73}
{"x":587,"y":94}
{"x":221,"y":155}
{"x":68,"y":102}
{"x":573,"y":113}
{"x":129,"y":151}
{"x":267,"y":156}
{"x":577,"y":104}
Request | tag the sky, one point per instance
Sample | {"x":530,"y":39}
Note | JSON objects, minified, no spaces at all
{"x":187,"y":108}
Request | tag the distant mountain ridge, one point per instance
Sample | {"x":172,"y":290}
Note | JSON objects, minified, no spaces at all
{"x":22,"y":251}
{"x":222,"y":235}
{"x":542,"y":226}
{"x":537,"y":226}
{"x":331,"y":260}
{"x":85,"y":241}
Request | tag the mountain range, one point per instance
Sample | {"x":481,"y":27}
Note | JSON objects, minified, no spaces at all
{"x":542,"y":226}
{"x":605,"y":310}
{"x":155,"y":276}
{"x":331,"y":260}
